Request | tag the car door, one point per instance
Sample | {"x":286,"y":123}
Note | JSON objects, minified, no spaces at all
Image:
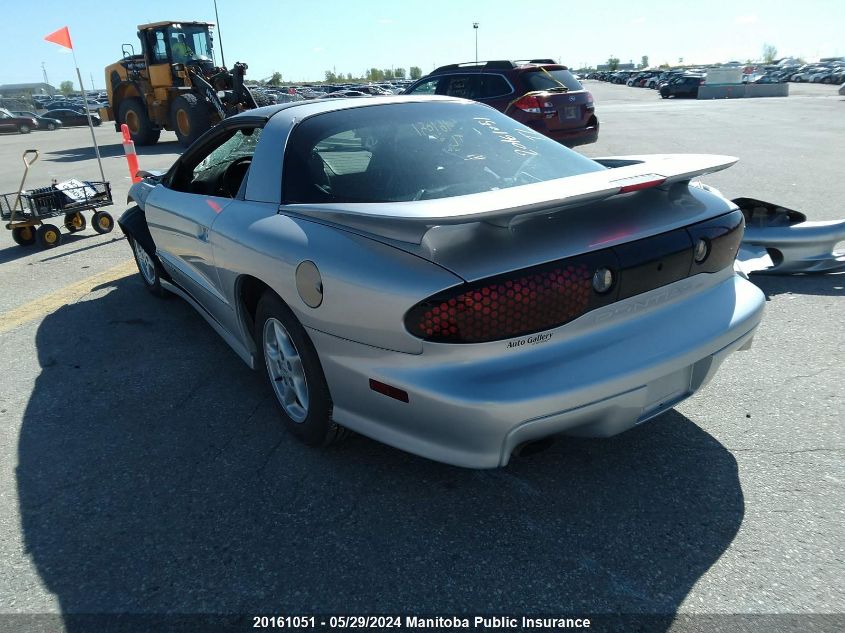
{"x":6,"y":123}
{"x":181,"y":211}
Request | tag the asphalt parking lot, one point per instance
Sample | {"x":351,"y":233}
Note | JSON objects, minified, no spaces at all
{"x":143,"y":470}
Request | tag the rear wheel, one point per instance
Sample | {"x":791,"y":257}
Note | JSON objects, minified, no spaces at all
{"x":134,"y":114}
{"x":24,"y":235}
{"x":189,"y":118}
{"x":102,"y":222}
{"x":49,"y":236}
{"x":295,"y":375}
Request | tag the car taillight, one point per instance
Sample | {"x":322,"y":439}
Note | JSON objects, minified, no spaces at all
{"x":550,"y":295}
{"x":590,"y":103}
{"x":529,"y":104}
{"x":519,"y":303}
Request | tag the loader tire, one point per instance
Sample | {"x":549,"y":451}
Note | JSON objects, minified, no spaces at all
{"x":189,"y":118}
{"x":133,"y":113}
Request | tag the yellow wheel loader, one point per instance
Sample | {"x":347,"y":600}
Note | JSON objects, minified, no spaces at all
{"x":173,"y":84}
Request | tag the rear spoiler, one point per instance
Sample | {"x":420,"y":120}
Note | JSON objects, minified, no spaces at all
{"x":409,"y":221}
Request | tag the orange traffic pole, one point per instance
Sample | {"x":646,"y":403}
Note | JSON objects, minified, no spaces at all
{"x":131,"y":156}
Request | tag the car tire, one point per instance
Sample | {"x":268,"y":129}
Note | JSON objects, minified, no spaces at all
{"x":149,"y":268}
{"x":51,"y":126}
{"x":49,"y":236}
{"x":102,"y":222}
{"x":75,"y":222}
{"x":189,"y":118}
{"x":24,"y":235}
{"x":23,"y":128}
{"x":133,"y":113}
{"x":293,"y":370}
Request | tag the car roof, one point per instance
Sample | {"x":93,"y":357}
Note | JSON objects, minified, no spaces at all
{"x":497,"y":65}
{"x":317,"y":106}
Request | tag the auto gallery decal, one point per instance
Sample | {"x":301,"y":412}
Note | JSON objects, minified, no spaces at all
{"x":535,"y":339}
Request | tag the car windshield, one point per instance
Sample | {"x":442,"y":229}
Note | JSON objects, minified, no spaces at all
{"x":542,"y":79}
{"x":419,"y":151}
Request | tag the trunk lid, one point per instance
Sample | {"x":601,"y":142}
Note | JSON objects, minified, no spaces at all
{"x":483,"y":234}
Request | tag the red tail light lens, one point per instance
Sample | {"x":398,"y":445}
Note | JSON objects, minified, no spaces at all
{"x":550,"y":295}
{"x":529,"y":104}
{"x":507,"y":306}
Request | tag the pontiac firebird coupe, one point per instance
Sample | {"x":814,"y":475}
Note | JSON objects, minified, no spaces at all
{"x":432,"y":274}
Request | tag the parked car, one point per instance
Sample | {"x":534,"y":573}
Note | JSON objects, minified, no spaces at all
{"x":11,"y":123}
{"x":368,"y":267}
{"x":822,"y":76}
{"x":63,"y":104}
{"x":44,"y":123}
{"x":74,"y":117}
{"x":540,"y":93}
{"x":684,"y":86}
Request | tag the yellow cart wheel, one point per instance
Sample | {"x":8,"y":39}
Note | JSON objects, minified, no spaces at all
{"x":75,"y":222}
{"x":102,"y":222}
{"x":49,"y":236}
{"x":24,"y":235}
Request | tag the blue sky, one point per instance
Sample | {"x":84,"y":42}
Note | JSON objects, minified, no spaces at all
{"x":303,"y":39}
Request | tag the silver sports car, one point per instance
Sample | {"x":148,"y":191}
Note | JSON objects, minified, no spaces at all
{"x":430,"y":273}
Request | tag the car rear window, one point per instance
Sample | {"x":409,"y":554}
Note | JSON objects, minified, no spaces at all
{"x":543,"y":79}
{"x":418,"y":151}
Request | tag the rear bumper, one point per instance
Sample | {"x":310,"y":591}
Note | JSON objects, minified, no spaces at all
{"x":471,"y":405}
{"x":572,"y":138}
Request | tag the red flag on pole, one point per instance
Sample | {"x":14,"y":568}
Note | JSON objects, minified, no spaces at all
{"x":60,"y":37}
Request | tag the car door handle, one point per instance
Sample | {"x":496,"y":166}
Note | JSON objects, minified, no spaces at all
{"x":203,"y":234}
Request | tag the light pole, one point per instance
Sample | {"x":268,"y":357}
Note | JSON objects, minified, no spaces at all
{"x":219,"y":35}
{"x":44,"y":72}
{"x":475,"y":28}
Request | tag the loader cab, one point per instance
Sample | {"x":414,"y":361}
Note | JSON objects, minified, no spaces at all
{"x":168,"y":43}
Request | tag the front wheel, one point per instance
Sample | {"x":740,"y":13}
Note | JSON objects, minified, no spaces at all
{"x":189,"y":118}
{"x":49,"y":236}
{"x":51,"y":126}
{"x":149,"y":268}
{"x":75,"y":222}
{"x":24,"y":128}
{"x":295,"y":374}
{"x":102,"y":222}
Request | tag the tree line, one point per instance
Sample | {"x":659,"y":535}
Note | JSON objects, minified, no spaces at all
{"x":371,"y":74}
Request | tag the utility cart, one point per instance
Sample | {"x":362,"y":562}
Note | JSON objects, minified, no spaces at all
{"x":24,"y":211}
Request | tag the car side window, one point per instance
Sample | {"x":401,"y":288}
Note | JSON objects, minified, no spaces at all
{"x":428,"y":87}
{"x":463,"y":86}
{"x":492,"y":86}
{"x":223,"y":168}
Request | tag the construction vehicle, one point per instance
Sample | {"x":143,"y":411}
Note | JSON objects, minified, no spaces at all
{"x":173,"y":84}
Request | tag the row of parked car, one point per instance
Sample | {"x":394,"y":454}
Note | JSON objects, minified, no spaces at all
{"x":670,"y":83}
{"x":823,"y":73}
{"x":274,"y":94}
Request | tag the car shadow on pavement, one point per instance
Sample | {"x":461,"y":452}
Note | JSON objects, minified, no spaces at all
{"x":828,"y":285}
{"x":153,"y":477}
{"x":74,"y":154}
